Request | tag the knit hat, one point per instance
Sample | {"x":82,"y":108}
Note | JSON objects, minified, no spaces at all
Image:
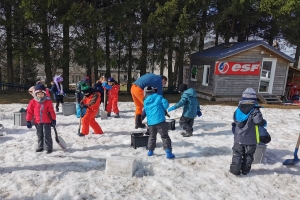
{"x":40,"y":88}
{"x":182,"y":88}
{"x":249,"y":94}
{"x":149,"y":90}
{"x":85,"y":89}
{"x":110,"y":79}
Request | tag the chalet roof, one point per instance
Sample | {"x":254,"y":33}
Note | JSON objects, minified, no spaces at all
{"x":228,"y":49}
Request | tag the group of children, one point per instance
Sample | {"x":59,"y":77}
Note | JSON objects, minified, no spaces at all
{"x":248,"y":120}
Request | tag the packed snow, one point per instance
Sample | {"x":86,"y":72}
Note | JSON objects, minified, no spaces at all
{"x":199,"y":171}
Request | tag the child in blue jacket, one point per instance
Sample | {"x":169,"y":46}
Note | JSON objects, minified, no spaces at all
{"x":191,"y":108}
{"x":154,"y":107}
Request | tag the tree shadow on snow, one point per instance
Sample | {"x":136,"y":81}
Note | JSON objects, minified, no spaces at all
{"x":64,"y":167}
{"x":228,"y":132}
{"x":208,"y":126}
{"x":97,"y":147}
{"x":4,"y":139}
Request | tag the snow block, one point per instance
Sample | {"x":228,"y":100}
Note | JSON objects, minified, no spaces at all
{"x":259,"y":153}
{"x":68,"y":108}
{"x":120,"y":166}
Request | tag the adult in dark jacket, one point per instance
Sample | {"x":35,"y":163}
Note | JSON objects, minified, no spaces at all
{"x":137,"y":93}
{"x":191,"y":109}
{"x":245,"y":117}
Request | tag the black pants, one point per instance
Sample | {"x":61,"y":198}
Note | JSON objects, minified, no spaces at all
{"x":186,"y":123}
{"x":162,"y":129}
{"x":58,"y":101}
{"x":43,"y":132}
{"x":242,"y":158}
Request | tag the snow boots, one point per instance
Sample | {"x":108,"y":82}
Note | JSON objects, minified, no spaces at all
{"x":138,"y":122}
{"x":117,"y":115}
{"x":170,"y":155}
{"x":187,"y":134}
{"x":150,"y":153}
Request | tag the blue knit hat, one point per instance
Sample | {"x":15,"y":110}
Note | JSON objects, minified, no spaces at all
{"x":249,"y":94}
{"x":40,"y":88}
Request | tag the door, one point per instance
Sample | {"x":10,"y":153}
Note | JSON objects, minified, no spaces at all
{"x":267,"y":73}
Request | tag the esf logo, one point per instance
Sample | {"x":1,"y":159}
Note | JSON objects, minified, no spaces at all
{"x":223,"y":67}
{"x":237,"y":68}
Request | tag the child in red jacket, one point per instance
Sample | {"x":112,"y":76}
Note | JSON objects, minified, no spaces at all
{"x":113,"y":96}
{"x":38,"y":109}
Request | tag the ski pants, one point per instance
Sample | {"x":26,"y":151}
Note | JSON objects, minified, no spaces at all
{"x":242,"y":158}
{"x":89,"y":120}
{"x":112,"y":105}
{"x":162,"y":129}
{"x":187,"y":124}
{"x":59,"y":101}
{"x":43,"y":132}
{"x":138,"y":98}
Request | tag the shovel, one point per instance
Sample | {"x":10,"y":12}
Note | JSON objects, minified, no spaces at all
{"x":103,"y":112}
{"x":58,"y":139}
{"x":79,"y":126}
{"x":296,"y":159}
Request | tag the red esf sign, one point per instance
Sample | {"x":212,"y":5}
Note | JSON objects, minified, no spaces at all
{"x":237,"y":68}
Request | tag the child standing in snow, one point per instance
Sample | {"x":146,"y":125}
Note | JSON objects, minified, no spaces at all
{"x":191,"y":108}
{"x":113,"y":96}
{"x":90,"y":101}
{"x":99,"y":88}
{"x":38,"y":109}
{"x":154,"y":107}
{"x":58,"y":92}
{"x":245,"y":117}
{"x":79,"y":96}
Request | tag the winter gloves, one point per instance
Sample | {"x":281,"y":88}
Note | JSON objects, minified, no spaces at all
{"x":53,"y":123}
{"x":199,"y":113}
{"x":171,"y":108}
{"x":29,"y":125}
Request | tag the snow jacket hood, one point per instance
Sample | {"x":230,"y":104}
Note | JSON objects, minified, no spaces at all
{"x":154,"y":107}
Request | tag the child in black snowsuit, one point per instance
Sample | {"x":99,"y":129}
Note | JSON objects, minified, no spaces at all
{"x":246,"y":117}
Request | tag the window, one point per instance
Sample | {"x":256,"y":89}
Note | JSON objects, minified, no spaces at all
{"x":200,"y":74}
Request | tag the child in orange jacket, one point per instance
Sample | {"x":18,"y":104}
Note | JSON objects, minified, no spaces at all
{"x":90,"y":101}
{"x":113,"y":96}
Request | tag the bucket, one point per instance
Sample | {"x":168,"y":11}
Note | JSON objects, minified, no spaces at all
{"x":68,"y":108}
{"x":171,"y":124}
{"x":139,"y":140}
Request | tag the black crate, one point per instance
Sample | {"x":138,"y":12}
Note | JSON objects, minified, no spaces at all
{"x":139,"y":140}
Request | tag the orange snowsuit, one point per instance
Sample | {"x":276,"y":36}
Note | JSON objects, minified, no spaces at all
{"x":113,"y":97}
{"x":93,"y":102}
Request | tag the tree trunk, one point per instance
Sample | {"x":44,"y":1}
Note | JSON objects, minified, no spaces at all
{"x":217,"y":38}
{"x":144,"y":52}
{"x":119,"y":62}
{"x":162,"y":58}
{"x":46,"y":50}
{"x":130,"y":61}
{"x":107,"y":52}
{"x":202,"y":31}
{"x":95,"y":59}
{"x":297,"y":54}
{"x":9,"y":54}
{"x":180,"y":61}
{"x":22,"y":67}
{"x":66,"y":55}
{"x":170,"y":58}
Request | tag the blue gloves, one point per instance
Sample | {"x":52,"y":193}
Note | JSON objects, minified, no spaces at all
{"x":265,"y":125}
{"x":171,"y":108}
{"x":199,"y":113}
{"x":53,"y":123}
{"x":29,"y":125}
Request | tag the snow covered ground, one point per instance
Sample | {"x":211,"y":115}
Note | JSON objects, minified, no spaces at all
{"x":200,"y":170}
